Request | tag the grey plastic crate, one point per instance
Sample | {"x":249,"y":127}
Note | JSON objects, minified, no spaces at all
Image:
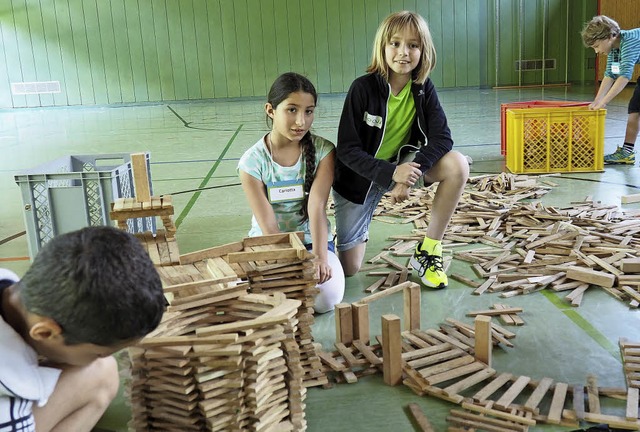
{"x":74,"y":192}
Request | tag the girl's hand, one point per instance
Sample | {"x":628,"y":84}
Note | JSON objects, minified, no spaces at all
{"x":407,"y":173}
{"x":399,"y":193}
{"x":323,"y":270}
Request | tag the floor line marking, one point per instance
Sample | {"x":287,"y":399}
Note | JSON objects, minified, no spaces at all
{"x":18,"y":258}
{"x":185,"y":211}
{"x":583,"y":324}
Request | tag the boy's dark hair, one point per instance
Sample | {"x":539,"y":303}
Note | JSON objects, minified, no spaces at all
{"x":98,"y":284}
{"x":282,"y":87}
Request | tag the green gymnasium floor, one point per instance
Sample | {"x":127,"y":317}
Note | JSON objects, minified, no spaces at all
{"x":194,"y":150}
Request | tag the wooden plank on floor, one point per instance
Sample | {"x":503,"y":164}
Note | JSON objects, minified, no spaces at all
{"x":557,"y":403}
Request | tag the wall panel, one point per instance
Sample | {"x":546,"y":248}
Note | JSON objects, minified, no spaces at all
{"x":218,"y":60}
{"x":308,"y":40}
{"x":97,"y":66}
{"x":627,"y":15}
{"x":40,"y":57}
{"x":321,"y":32}
{"x":122,"y":51}
{"x":109,"y":52}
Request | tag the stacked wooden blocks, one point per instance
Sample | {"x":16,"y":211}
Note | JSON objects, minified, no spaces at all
{"x":161,"y":246}
{"x":271,"y":264}
{"x":229,"y":363}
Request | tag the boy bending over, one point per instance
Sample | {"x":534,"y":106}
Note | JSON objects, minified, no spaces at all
{"x":88,"y":294}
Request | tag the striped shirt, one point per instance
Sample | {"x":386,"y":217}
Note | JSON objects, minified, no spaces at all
{"x":628,"y":55}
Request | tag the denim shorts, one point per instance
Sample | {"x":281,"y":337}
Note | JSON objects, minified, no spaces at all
{"x":353,"y":220}
{"x":331,"y":247}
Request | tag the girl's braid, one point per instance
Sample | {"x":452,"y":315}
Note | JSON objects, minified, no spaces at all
{"x":309,"y":152}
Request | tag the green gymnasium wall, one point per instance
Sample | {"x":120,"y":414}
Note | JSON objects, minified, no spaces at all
{"x":134,"y":51}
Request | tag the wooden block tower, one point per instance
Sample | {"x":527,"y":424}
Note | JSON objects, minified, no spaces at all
{"x":161,"y":246}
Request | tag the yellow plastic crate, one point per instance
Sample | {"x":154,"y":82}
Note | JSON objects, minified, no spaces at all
{"x":559,"y":139}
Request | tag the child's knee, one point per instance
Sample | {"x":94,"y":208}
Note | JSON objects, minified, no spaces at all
{"x":457,"y":165}
{"x":106,"y":380}
{"x":332,"y":291}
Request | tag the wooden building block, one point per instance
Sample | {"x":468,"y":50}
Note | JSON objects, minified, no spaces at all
{"x":328,"y":359}
{"x":632,"y":404}
{"x":593,"y":394}
{"x":367,"y":352}
{"x":483,"y":343}
{"x":391,"y":350}
{"x":360,"y":316}
{"x":469,"y":381}
{"x":591,"y":276}
{"x":512,"y":392}
{"x":412,"y":309}
{"x":388,"y":291}
{"x":557,"y":403}
{"x":420,"y":419}
{"x":454,"y":373}
{"x":494,"y":312}
{"x":500,"y":414}
{"x":630,"y":265}
{"x":578,"y":401}
{"x":140,"y":177}
{"x":482,"y":422}
{"x":628,"y":199}
{"x":374,"y":286}
{"x":538,"y":394}
{"x":465,"y":280}
{"x":344,"y":323}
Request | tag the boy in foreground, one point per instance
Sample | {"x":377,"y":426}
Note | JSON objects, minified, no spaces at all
{"x":88,"y":294}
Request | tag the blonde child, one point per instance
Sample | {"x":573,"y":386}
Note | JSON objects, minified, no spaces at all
{"x":622,"y":48}
{"x":286,"y":177}
{"x":391,"y":115}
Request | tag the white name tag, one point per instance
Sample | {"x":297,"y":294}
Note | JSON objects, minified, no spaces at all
{"x":373,"y":120}
{"x":292,"y":190}
{"x":615,"y":68}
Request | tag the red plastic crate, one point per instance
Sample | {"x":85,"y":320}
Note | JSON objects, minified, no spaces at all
{"x":530,"y":104}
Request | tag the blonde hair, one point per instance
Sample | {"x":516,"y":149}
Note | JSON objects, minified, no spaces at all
{"x":391,"y":25}
{"x":600,"y":27}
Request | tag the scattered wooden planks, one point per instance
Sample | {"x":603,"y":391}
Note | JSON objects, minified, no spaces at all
{"x":521,"y":248}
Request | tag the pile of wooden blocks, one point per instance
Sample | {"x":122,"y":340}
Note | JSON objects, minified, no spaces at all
{"x":234,"y":350}
{"x":526,"y":247}
{"x":228,"y":363}
{"x":271,"y":264}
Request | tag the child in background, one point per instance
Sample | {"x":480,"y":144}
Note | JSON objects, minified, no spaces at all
{"x":391,"y":115}
{"x":286,"y":177}
{"x":622,"y":48}
{"x":88,"y":294}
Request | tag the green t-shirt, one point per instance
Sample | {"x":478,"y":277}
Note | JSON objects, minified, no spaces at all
{"x":401,"y":110}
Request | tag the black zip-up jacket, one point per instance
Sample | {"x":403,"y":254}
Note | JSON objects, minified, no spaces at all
{"x":362,"y":128}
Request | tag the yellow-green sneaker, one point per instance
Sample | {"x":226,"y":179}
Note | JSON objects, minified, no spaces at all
{"x":427,"y":261}
{"x":620,"y":156}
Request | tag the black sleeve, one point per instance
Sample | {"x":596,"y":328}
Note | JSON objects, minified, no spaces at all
{"x":351,"y":150}
{"x":439,"y":140}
